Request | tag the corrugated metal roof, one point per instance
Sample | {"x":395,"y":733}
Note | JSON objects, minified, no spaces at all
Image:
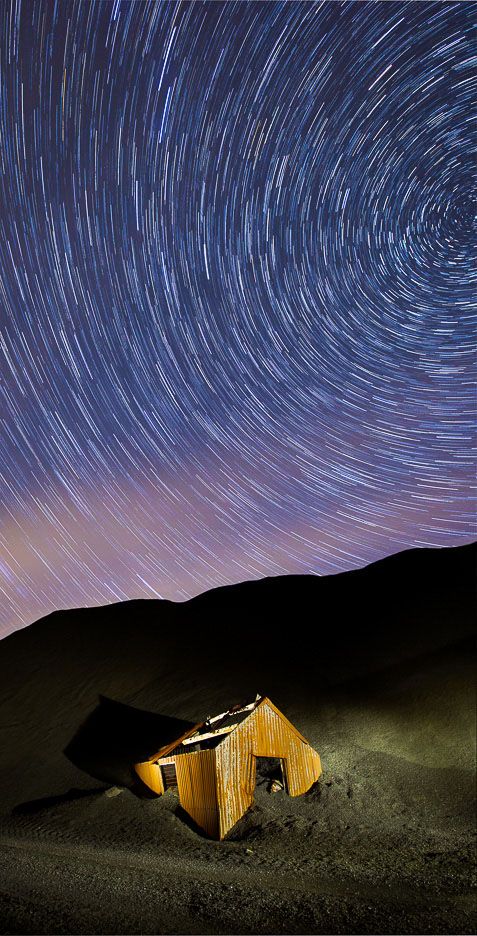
{"x":166,"y":748}
{"x":212,"y":728}
{"x":215,"y":730}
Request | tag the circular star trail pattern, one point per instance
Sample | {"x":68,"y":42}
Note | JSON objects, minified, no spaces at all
{"x":236,"y":296}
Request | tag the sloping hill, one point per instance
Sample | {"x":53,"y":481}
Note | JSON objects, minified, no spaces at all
{"x":293,"y":637}
{"x":374,"y":666}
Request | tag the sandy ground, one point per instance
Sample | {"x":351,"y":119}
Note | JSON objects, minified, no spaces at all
{"x":328,"y":862}
{"x":383,"y":843}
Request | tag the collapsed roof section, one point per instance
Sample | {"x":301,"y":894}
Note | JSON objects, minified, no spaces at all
{"x":208,"y":734}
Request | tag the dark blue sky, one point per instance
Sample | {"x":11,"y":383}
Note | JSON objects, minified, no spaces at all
{"x":236,"y":295}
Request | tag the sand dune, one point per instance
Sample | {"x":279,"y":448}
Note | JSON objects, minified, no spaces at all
{"x":373,"y":666}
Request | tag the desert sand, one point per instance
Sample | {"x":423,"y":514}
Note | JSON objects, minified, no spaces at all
{"x":375,"y":668}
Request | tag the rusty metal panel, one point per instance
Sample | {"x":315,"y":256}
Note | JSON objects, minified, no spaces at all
{"x":302,"y":768}
{"x":276,"y":737}
{"x":150,"y":774}
{"x":235,"y":778}
{"x":196,"y":781}
{"x":263,"y":734}
{"x":272,"y":735}
{"x":268,"y":702}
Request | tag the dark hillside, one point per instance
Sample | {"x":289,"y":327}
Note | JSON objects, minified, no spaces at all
{"x":374,"y":666}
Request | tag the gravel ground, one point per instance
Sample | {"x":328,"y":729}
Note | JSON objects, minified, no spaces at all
{"x":50,"y":888}
{"x":351,"y":856}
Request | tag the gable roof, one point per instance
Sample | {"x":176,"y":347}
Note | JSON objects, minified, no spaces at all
{"x":223,"y":724}
{"x":280,"y":714}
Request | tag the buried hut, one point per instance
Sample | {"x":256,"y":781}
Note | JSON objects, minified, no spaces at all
{"x":213,"y":766}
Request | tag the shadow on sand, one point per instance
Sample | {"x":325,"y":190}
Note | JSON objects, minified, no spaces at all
{"x":115,"y":736}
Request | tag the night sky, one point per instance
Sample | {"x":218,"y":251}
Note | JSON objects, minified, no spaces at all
{"x":236,"y":296}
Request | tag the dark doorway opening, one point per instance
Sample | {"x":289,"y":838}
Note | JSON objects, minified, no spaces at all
{"x":169,"y":776}
{"x":270,"y":773}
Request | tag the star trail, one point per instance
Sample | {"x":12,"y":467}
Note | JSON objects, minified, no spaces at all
{"x":237,"y":292}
